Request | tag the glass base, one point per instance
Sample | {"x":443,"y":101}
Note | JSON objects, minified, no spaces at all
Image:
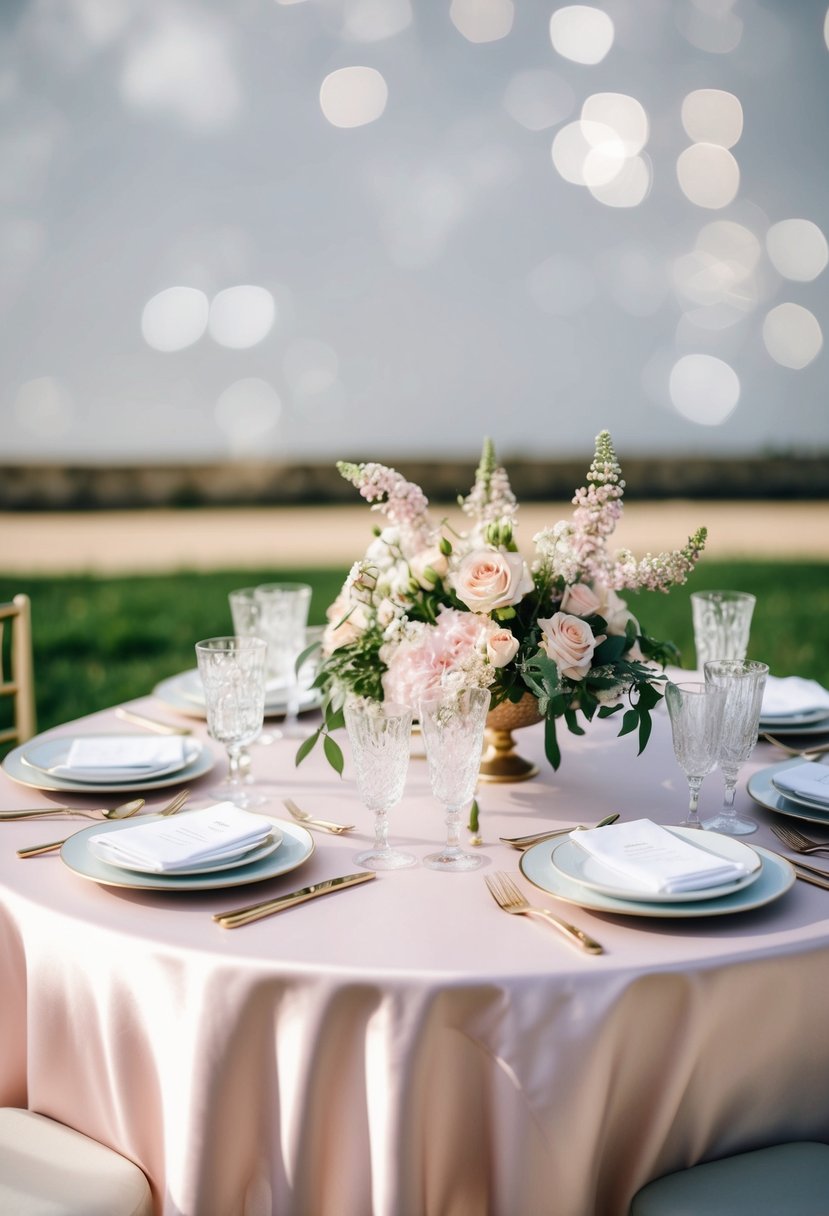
{"x":730,"y":825}
{"x":687,"y":822}
{"x":454,"y":862}
{"x":243,"y":796}
{"x":385,"y":859}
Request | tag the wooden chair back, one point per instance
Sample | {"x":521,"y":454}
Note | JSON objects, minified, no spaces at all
{"x":17,"y":669}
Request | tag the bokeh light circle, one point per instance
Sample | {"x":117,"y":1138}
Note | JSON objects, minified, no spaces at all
{"x":240,"y":317}
{"x":798,"y":249}
{"x":581,"y":33}
{"x":792,"y":335}
{"x":174,"y":318}
{"x":704,"y":389}
{"x":712,"y":116}
{"x":708,"y":175}
{"x":353,"y":96}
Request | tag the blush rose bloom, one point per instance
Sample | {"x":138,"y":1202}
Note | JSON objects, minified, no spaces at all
{"x":569,"y":642}
{"x":580,"y":599}
{"x":430,"y":559}
{"x":501,"y":647}
{"x":487,"y":579}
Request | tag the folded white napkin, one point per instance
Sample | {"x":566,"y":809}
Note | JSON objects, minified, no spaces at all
{"x":121,"y":757}
{"x":792,"y":695}
{"x":656,"y":859}
{"x":810,"y":780}
{"x":216,"y":833}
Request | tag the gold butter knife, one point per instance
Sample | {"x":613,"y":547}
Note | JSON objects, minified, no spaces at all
{"x":244,"y":916}
{"x":163,"y":728}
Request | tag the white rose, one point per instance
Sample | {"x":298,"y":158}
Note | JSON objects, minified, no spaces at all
{"x":501,"y":647}
{"x":580,"y":599}
{"x":615,"y":611}
{"x":427,"y":566}
{"x":569,"y":642}
{"x":487,"y":579}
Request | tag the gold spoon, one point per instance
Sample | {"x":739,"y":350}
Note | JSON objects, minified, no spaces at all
{"x":120,"y":812}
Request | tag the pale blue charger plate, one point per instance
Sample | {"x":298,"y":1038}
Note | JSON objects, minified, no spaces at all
{"x":295,"y":848}
{"x":775,"y":879}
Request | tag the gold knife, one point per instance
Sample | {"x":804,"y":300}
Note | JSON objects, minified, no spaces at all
{"x":810,"y":876}
{"x":163,"y":728}
{"x":805,"y":865}
{"x":244,"y":916}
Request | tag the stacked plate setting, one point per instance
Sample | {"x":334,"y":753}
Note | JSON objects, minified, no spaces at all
{"x":107,"y":763}
{"x":184,"y":693}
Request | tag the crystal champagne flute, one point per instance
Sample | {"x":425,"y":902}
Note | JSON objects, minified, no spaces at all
{"x":742,"y":682}
{"x":695,"y":710}
{"x":453,"y":733}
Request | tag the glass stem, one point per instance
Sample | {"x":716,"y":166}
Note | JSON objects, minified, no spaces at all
{"x":381,"y":830}
{"x":453,"y":829}
{"x":728,"y":796}
{"x":234,"y":765}
{"x":694,"y":786}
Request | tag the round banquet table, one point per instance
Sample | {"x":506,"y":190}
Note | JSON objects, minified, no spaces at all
{"x":405,"y":1048}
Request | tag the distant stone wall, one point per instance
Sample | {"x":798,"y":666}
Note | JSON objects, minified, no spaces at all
{"x":50,"y":487}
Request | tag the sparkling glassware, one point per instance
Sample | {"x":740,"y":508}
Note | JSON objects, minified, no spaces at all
{"x":695,"y":710}
{"x":453,"y":733}
{"x":722,"y":620}
{"x":232,"y":671}
{"x":743,"y":682}
{"x":379,"y":733}
{"x":283,"y":618}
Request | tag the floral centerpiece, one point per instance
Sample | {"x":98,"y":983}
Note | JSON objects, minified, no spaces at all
{"x":428,"y":607}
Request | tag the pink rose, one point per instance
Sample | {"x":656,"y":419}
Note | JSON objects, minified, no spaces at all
{"x":580,"y":599}
{"x":487,"y":579}
{"x":569,"y":642}
{"x":428,"y":566}
{"x":501,"y":647}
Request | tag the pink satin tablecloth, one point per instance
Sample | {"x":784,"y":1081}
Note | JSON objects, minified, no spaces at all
{"x":405,"y":1048}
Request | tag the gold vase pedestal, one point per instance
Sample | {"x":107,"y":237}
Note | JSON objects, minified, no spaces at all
{"x":501,"y":761}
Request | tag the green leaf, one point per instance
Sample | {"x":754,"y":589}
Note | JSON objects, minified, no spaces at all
{"x":551,"y":747}
{"x":573,"y":722}
{"x":473,"y":816}
{"x":306,"y":746}
{"x":305,"y":654}
{"x":334,"y":754}
{"x":334,"y":718}
{"x":629,"y":722}
{"x":610,"y":650}
{"x":645,"y":724}
{"x":605,"y":711}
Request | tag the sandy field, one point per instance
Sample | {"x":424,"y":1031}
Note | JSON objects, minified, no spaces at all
{"x":154,"y":541}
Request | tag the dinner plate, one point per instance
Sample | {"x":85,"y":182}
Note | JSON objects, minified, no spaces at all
{"x":571,"y":861}
{"x":16,"y":767}
{"x":762,"y":789}
{"x":295,"y":847}
{"x":820,"y":728}
{"x":775,"y":878}
{"x":47,"y":754}
{"x":243,"y":857}
{"x":815,"y":804}
{"x":808,"y":717}
{"x":184,"y":692}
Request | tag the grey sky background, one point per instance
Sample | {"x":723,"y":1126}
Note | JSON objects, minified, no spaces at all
{"x":215,"y":243}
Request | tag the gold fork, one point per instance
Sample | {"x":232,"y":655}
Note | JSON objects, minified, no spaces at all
{"x":802,"y":753}
{"x":507,"y":896}
{"x":325,"y":825}
{"x":797,"y":841}
{"x":175,"y":804}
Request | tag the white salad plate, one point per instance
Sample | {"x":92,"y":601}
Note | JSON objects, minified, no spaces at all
{"x":55,"y":750}
{"x":762,"y":789}
{"x":47,"y":754}
{"x":571,"y":862}
{"x":184,"y":692}
{"x":807,"y":717}
{"x":294,"y":848}
{"x":242,"y":857}
{"x":775,"y":878}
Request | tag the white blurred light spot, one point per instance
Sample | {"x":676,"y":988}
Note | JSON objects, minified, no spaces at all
{"x":712,"y":116}
{"x":374,"y":20}
{"x":720,"y":272}
{"x":561,"y":285}
{"x":353,"y":97}
{"x":182,"y":66}
{"x":588,"y":153}
{"x":482,"y":20}
{"x":538,"y":99}
{"x":798,"y":249}
{"x":708,"y":175}
{"x":246,"y":411}
{"x":242,"y":316}
{"x":44,"y":407}
{"x":581,"y":33}
{"x":288,"y":3}
{"x":629,"y":187}
{"x":792,"y":335}
{"x":175,"y":318}
{"x":310,"y":367}
{"x":704,"y":389}
{"x":623,"y":114}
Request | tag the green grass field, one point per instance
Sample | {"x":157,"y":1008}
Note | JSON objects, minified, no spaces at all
{"x":99,"y":641}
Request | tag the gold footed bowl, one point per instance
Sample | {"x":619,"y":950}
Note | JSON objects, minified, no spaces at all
{"x":501,"y":761}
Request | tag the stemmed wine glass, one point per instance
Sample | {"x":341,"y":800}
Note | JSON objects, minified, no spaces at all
{"x":695,"y":710}
{"x":283,"y":618}
{"x":232,"y":671}
{"x":380,"y":736}
{"x":742,"y":682}
{"x":453,"y":732}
